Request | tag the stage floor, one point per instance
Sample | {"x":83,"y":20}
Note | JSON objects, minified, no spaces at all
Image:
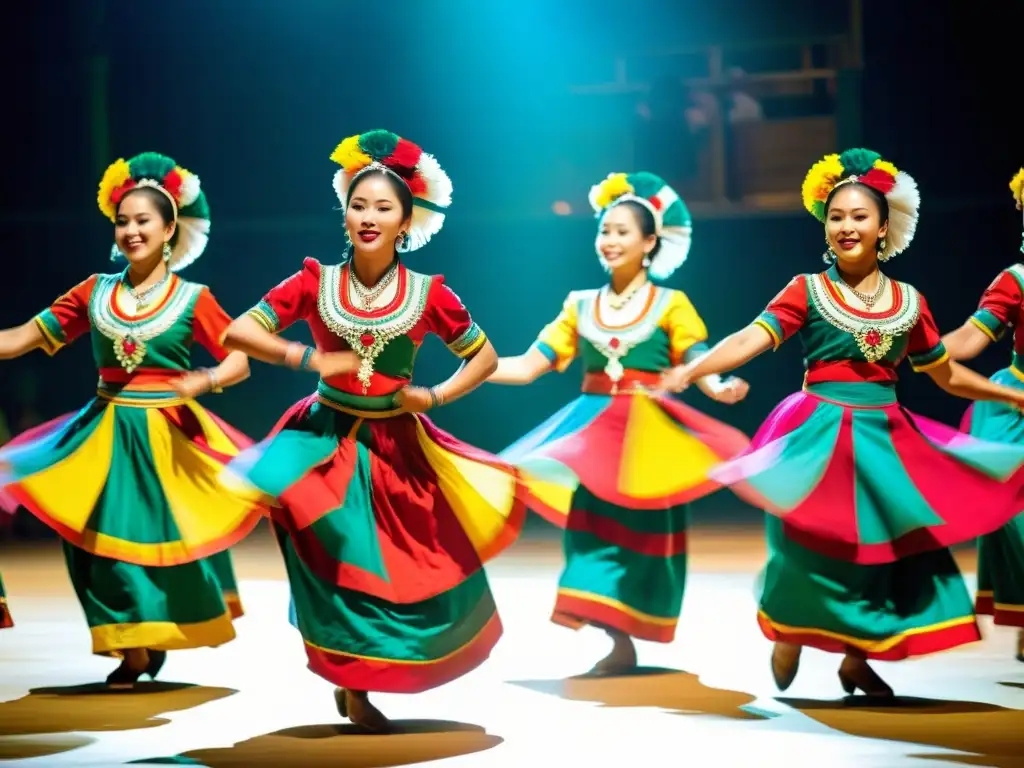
{"x":706,"y":700}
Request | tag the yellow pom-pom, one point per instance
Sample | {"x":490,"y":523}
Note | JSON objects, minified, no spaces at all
{"x":885,"y":166}
{"x":1017,"y":186}
{"x":349,"y":156}
{"x":611,"y":189}
{"x":821,"y":180}
{"x":117,"y":174}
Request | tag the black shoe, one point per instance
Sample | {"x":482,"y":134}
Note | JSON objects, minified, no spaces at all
{"x":123,"y":678}
{"x":156,"y":663}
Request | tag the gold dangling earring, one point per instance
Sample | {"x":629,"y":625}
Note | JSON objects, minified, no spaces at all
{"x":829,"y":256}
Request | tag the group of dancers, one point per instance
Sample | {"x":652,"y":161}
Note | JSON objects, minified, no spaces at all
{"x":385,"y":521}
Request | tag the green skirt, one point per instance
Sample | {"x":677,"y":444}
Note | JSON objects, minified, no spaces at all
{"x":133,"y":484}
{"x":159,"y":608}
{"x":1000,"y":554}
{"x":385,"y":524}
{"x":911,"y":607}
{"x":625,"y":569}
{"x":225,"y":571}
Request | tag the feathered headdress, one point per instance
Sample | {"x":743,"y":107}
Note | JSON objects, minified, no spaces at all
{"x":430,"y":186}
{"x":868,"y":168}
{"x":672,"y":221}
{"x":191,"y":211}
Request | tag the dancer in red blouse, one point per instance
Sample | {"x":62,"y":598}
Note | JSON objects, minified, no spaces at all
{"x":384,"y":520}
{"x":866,"y":496}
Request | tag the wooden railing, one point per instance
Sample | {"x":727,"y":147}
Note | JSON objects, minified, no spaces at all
{"x":754,"y":165}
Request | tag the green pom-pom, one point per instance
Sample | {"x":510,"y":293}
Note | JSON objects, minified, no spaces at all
{"x":857,"y":162}
{"x":378,"y":144}
{"x":199,"y":209}
{"x":645,"y":184}
{"x":677,"y":215}
{"x":818,"y":210}
{"x":151,"y":165}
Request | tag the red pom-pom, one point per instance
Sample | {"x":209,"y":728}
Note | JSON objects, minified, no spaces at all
{"x":119,"y":192}
{"x":656,"y":202}
{"x":417,"y":185}
{"x":406,"y":155}
{"x":172,"y":183}
{"x":880,"y":180}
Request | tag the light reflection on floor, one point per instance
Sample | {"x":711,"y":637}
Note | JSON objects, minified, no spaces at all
{"x":707,"y":699}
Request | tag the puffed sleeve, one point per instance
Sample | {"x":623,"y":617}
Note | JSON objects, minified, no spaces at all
{"x":67,"y":318}
{"x":448,"y":318}
{"x":289,"y":301}
{"x":686,"y":331}
{"x":999,"y":306}
{"x":787,"y":312}
{"x":925,"y":349}
{"x":558,"y":340}
{"x":209,"y":324}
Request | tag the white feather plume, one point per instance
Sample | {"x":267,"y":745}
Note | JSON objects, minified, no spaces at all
{"x":193,"y":235}
{"x":675,"y":247}
{"x":904,"y":203}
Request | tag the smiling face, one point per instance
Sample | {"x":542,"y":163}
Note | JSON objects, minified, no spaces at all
{"x":143,"y":226}
{"x":375,"y":215}
{"x":854,"y":225}
{"x":621,"y":241}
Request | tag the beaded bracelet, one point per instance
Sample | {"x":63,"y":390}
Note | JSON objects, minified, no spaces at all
{"x":436,"y":397}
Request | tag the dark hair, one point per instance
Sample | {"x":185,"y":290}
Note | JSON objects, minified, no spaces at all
{"x":874,"y":194}
{"x":160,"y":201}
{"x":644,"y":220}
{"x":399,"y":187}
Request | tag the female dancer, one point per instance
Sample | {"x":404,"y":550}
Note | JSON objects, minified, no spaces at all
{"x":616,"y":467}
{"x":384,"y":520}
{"x":131,"y":482}
{"x":871,"y":495}
{"x":1000,"y":554}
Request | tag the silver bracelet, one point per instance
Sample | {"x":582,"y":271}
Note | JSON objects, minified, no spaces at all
{"x":215,"y":387}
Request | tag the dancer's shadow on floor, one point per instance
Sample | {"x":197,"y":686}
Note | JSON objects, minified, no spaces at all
{"x":993,"y":734}
{"x":33,"y":726}
{"x":669,"y":689}
{"x":347,"y":746}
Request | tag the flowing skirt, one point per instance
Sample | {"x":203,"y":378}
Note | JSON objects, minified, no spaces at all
{"x":855,"y":476}
{"x":1001,"y":553}
{"x":616,"y":472}
{"x":385,"y":522}
{"x":135,"y":490}
{"x":914,"y":606}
